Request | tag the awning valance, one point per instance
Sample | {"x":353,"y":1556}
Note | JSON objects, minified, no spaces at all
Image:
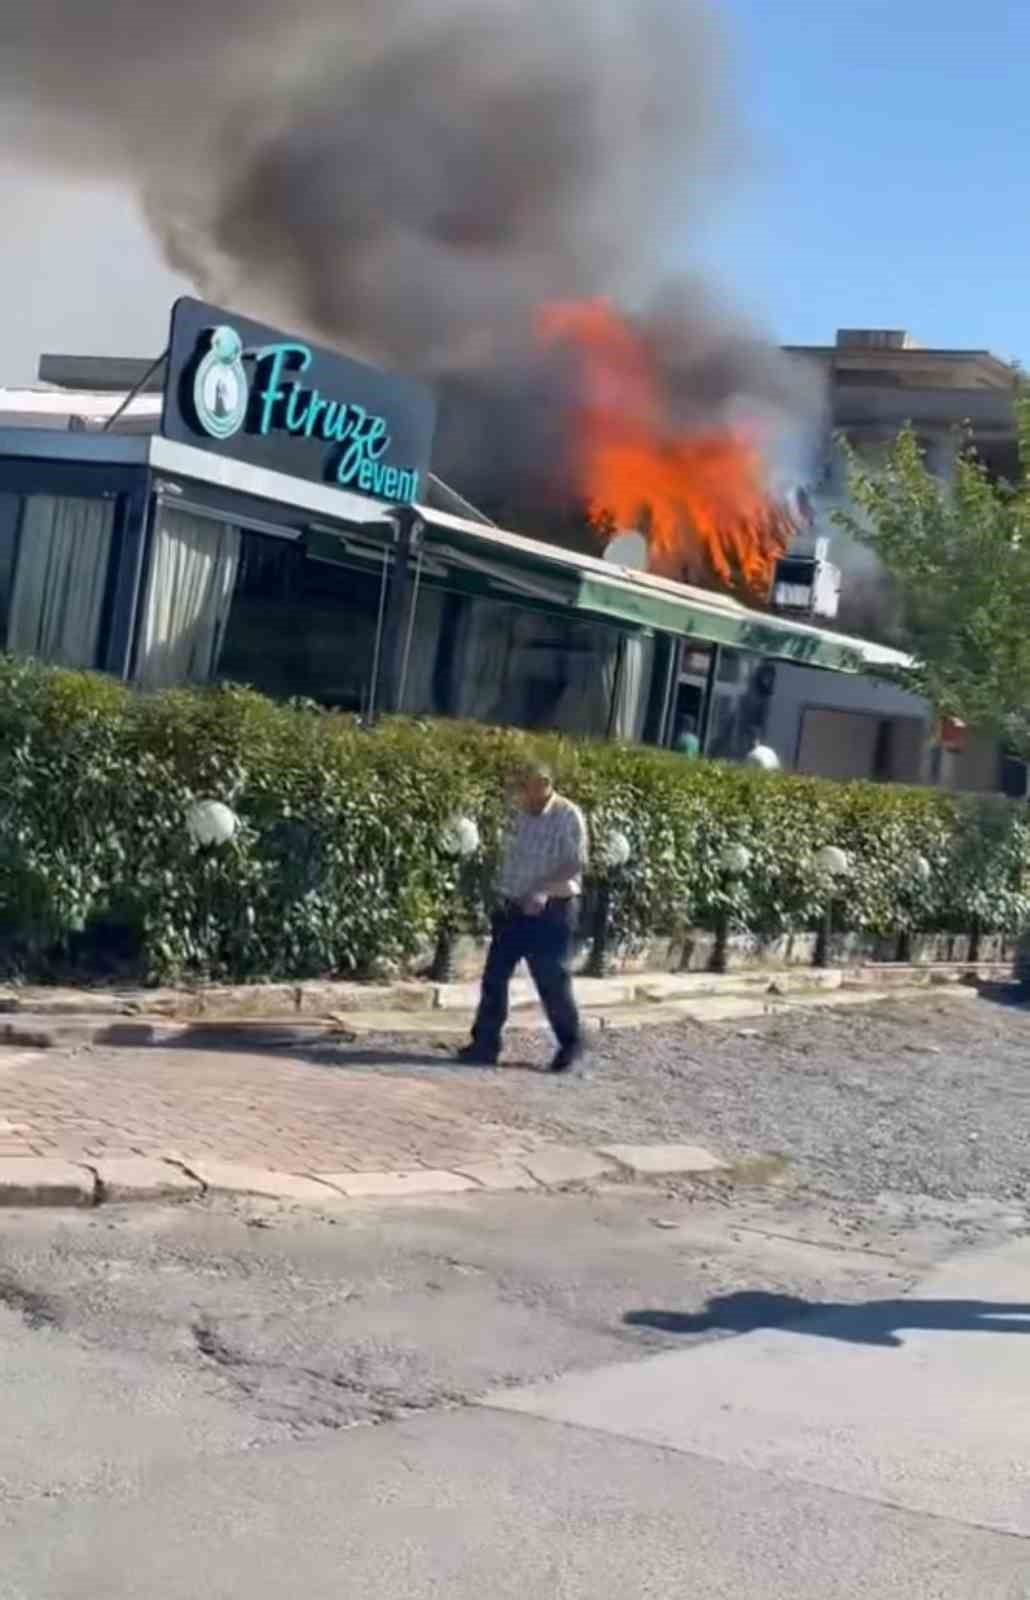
{"x":642,"y":601}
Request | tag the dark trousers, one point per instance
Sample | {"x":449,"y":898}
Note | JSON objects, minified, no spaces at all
{"x":545,"y":944}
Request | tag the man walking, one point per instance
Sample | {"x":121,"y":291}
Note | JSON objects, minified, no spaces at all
{"x":540,"y":885}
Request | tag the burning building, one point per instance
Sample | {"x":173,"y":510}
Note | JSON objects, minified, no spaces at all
{"x":469,"y":194}
{"x":297,"y":540}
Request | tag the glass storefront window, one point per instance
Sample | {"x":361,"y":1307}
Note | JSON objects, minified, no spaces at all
{"x":300,"y":626}
{"x":514,"y":666}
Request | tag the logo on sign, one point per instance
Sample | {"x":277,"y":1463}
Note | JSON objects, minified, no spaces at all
{"x":221,"y":393}
{"x":274,"y":401}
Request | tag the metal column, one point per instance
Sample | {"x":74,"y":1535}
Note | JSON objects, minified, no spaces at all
{"x":397,"y":617}
{"x":705,"y":730}
{"x":129,"y":541}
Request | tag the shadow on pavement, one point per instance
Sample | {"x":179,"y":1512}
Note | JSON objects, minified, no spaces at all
{"x":1012,"y":995}
{"x":876,"y":1322}
{"x":300,"y":1044}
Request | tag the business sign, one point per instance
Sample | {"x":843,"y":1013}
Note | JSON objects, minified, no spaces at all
{"x":254,"y":394}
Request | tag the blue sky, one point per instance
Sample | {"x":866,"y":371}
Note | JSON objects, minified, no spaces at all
{"x":893,"y":173}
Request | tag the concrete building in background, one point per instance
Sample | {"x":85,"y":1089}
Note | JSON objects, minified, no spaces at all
{"x":877,"y":381}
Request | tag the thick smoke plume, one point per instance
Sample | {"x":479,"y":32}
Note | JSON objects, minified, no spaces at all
{"x":411,"y":179}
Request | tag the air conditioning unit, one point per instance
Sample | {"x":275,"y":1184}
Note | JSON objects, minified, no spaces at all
{"x":806,"y":585}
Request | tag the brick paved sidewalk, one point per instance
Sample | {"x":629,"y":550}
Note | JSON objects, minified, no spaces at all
{"x":287,"y":1113}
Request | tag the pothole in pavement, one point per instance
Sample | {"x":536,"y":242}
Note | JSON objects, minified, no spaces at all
{"x":36,"y":1310}
{"x":307,"y":1398}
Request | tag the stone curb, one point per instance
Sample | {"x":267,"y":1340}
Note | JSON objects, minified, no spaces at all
{"x":312,"y":1003}
{"x":32,"y":1182}
{"x":43,"y":1033}
{"x":40,"y":1181}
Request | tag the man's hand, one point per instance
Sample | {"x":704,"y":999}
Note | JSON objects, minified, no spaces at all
{"x":534,"y":904}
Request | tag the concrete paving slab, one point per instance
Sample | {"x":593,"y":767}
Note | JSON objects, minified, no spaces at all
{"x":326,"y":999}
{"x":498,"y":1175}
{"x":245,"y":1001}
{"x":555,"y":1167}
{"x":663,"y":1160}
{"x":395,"y":1185}
{"x":33,"y":1033}
{"x":128,"y":1178}
{"x":605,"y":992}
{"x":229,"y":1177}
{"x":729,"y":1008}
{"x":702,"y":985}
{"x":448,"y":1026}
{"x":919,"y":1402}
{"x":56,"y":1001}
{"x":40,"y":1181}
{"x":592,"y":993}
{"x":476,"y":1505}
{"x":841,"y":999}
{"x":623,"y":1019}
{"x":846,"y":997}
{"x":465,"y":996}
{"x":428,"y":1025}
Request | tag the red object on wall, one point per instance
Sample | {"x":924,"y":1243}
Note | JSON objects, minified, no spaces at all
{"x":953,"y":735}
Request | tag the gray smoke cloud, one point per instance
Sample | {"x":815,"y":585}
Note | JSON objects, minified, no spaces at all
{"x":869,"y":601}
{"x":410,"y":180}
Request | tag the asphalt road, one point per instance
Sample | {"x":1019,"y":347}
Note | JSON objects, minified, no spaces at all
{"x":291,"y":1324}
{"x":224,"y":1400}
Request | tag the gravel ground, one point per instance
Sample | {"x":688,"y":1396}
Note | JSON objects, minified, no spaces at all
{"x":907,"y":1098}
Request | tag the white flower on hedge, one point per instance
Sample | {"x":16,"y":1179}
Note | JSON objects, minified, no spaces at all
{"x":764,"y":758}
{"x":832,"y":861}
{"x":459,"y":836}
{"x":211,"y":822}
{"x":921,"y":870}
{"x":736,"y":859}
{"x":616,"y":849}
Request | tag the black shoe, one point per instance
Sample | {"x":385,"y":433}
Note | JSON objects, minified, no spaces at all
{"x":470,"y":1055}
{"x":568,"y":1057}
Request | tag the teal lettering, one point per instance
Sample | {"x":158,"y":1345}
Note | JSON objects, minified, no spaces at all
{"x":317,"y":405}
{"x":338,"y":421}
{"x":297,"y":404}
{"x":277,"y":355}
{"x":378,"y":438}
{"x":372,"y":477}
{"x":367,"y":442}
{"x":285,"y":403}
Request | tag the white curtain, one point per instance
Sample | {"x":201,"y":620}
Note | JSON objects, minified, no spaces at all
{"x":484,"y":657}
{"x":193,"y":566}
{"x":587,"y":697}
{"x":64,"y":551}
{"x":425,"y":643}
{"x":634,"y":688}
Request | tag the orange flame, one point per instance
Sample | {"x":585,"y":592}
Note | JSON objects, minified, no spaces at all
{"x":699,"y":497}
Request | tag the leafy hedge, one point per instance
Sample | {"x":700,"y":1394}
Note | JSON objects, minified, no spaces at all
{"x":337,"y":868}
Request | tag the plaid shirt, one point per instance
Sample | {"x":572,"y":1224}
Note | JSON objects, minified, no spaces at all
{"x":537,"y":847}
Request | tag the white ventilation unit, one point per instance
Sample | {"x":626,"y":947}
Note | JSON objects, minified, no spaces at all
{"x":806,"y":584}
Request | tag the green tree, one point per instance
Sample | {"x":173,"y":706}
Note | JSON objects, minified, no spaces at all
{"x":958,"y":557}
